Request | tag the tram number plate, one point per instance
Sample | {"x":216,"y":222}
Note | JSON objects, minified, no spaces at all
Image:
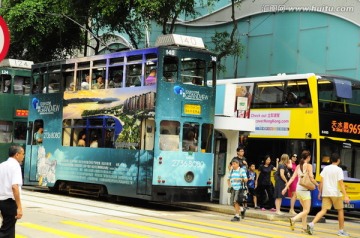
{"x":348,"y":205}
{"x":192,"y":109}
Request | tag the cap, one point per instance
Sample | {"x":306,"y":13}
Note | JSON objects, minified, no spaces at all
{"x":294,"y":155}
{"x":235,"y":160}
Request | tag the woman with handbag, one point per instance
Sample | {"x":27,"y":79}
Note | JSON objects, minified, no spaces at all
{"x":304,"y":169}
{"x":282,"y":175}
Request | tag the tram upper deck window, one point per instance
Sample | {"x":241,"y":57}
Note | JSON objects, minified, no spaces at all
{"x":169,"y":135}
{"x":116,"y":77}
{"x":133,"y":75}
{"x":5,"y":83}
{"x":170,"y":69}
{"x":52,"y":84}
{"x":193,"y":71}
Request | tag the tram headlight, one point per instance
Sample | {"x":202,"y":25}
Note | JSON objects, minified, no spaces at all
{"x":189,"y":177}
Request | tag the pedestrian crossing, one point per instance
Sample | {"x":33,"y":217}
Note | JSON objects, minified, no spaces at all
{"x":162,"y":227}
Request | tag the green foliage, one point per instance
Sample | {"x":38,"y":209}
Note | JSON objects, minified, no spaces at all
{"x":44,"y":30}
{"x":38,"y":31}
{"x":228,"y":44}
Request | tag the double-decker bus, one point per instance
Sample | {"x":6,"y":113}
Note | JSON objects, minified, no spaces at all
{"x":320,"y":113}
{"x":134,"y":123}
{"x":14,"y":99}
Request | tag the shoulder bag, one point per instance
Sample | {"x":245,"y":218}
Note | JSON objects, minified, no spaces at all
{"x":243,"y":194}
{"x":306,"y":182}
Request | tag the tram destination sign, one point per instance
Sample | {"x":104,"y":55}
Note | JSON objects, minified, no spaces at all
{"x":342,"y":126}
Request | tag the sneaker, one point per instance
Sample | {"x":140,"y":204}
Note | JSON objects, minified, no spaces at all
{"x":263,"y":209}
{"x":235,"y":218}
{"x":310,"y":229}
{"x":279,"y":213}
{"x":257,"y":207}
{"x":243,"y":213}
{"x":292,"y":212}
{"x":342,"y":233}
{"x":273,"y":210}
{"x":292,"y":224}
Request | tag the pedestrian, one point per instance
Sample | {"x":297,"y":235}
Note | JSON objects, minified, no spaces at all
{"x":265,"y":188}
{"x":292,"y":187}
{"x":303,"y":194}
{"x":10,"y":187}
{"x":236,"y":181}
{"x":281,"y":178}
{"x":252,"y":175}
{"x":332,"y":178}
{"x":240,"y":151}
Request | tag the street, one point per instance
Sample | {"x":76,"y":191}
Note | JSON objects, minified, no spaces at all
{"x":50,"y":215}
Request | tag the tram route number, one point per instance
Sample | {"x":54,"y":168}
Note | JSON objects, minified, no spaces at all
{"x":187,"y":163}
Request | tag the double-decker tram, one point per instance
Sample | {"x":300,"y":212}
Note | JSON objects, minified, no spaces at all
{"x":292,"y":113}
{"x":14,"y":96}
{"x":134,"y":123}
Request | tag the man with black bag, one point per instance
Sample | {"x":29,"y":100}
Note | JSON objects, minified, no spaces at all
{"x":237,"y":186}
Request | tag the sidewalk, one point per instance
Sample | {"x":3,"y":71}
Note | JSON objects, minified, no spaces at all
{"x":250,"y":212}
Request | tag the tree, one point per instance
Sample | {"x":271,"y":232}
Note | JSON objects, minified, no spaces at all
{"x":166,"y":12}
{"x":228,"y":44}
{"x":38,"y":30}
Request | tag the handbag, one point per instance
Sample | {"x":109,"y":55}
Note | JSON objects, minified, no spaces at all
{"x":306,"y":182}
{"x":243,"y":194}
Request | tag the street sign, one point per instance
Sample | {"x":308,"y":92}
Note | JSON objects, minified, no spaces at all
{"x":4,"y":39}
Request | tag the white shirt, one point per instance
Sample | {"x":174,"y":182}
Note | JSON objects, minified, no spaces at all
{"x":331,"y":175}
{"x":10,"y":174}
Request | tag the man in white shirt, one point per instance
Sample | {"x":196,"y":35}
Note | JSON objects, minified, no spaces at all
{"x":10,"y":188}
{"x":332,"y":178}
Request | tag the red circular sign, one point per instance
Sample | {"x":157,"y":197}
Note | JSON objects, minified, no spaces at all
{"x":4,"y":39}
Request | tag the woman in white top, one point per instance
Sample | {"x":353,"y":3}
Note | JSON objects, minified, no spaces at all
{"x":303,"y":194}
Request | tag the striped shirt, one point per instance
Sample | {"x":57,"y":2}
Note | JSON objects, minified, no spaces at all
{"x":234,"y":177}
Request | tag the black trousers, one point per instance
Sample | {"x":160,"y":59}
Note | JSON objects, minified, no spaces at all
{"x":8,"y":211}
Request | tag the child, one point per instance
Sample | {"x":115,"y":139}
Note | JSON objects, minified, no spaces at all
{"x":252,"y":184}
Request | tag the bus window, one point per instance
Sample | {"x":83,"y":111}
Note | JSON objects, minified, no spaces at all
{"x":278,"y":94}
{"x":190,"y":136}
{"x":206,"y":137}
{"x":169,"y":135}
{"x":330,"y":100}
{"x":5,"y":83}
{"x":19,"y":132}
{"x":6,"y":130}
{"x":193,"y":71}
{"x":170,"y":69}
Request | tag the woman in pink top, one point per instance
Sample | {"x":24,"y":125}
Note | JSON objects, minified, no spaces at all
{"x":292,"y":188}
